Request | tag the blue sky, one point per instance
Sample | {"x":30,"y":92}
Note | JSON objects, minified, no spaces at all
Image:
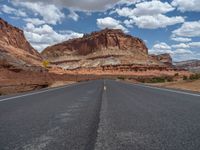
{"x":171,"y":26}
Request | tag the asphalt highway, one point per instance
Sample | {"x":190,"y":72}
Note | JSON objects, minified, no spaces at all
{"x":101,"y":115}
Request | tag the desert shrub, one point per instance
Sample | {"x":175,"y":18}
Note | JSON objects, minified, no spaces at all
{"x":185,"y":77}
{"x":121,"y":78}
{"x":140,"y":79}
{"x":169,"y":79}
{"x":157,"y":80}
{"x":176,"y":74}
{"x":160,"y":79}
{"x":194,"y":76}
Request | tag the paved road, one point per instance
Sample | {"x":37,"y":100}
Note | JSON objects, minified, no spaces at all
{"x":101,"y":115}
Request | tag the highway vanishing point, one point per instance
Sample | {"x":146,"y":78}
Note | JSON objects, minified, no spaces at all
{"x":101,"y":115}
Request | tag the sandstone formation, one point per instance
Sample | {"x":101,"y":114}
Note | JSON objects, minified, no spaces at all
{"x":20,"y":63}
{"x":15,"y":51}
{"x":104,"y":48}
{"x":163,"y":58}
{"x":14,"y":36}
{"x":190,"y":65}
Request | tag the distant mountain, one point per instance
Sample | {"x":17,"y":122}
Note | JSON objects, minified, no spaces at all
{"x":108,"y":47}
{"x":191,"y":65}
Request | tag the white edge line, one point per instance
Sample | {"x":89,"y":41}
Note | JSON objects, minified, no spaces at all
{"x":163,"y":89}
{"x":39,"y":92}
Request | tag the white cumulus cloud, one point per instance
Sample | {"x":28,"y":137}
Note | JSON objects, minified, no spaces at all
{"x":187,"y":5}
{"x":194,"y":44}
{"x":178,"y":52}
{"x":50,"y":13}
{"x":43,"y":36}
{"x":181,"y":46}
{"x":188,"y":29}
{"x":34,"y":21}
{"x":160,"y":48}
{"x":156,"y":21}
{"x":73,"y":15}
{"x":181,"y":39}
{"x":13,"y":11}
{"x":82,"y":5}
{"x":110,"y":23}
{"x":149,"y":8}
{"x":149,"y":15}
{"x":182,"y":51}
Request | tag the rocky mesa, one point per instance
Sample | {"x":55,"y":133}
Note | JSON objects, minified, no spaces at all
{"x":103,"y":48}
{"x":110,"y":53}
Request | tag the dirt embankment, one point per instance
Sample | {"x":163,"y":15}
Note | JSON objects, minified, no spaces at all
{"x":183,"y":85}
{"x":15,"y":81}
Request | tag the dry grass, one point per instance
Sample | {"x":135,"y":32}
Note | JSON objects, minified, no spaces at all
{"x":61,"y":83}
{"x":183,"y":85}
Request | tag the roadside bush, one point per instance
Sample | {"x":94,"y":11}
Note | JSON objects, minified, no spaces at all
{"x":185,"y":77}
{"x":141,"y":79}
{"x":157,"y":80}
{"x":161,"y":79}
{"x":176,"y":74}
{"x":194,"y":76}
{"x":169,"y":79}
{"x":121,"y":78}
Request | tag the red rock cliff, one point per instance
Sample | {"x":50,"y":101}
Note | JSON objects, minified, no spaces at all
{"x":105,"y":39}
{"x":13,"y":36}
{"x":15,"y":50}
{"x":163,"y":58}
{"x":106,"y":47}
